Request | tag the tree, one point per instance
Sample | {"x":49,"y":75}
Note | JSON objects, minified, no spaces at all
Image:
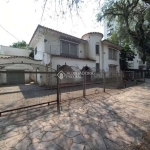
{"x":23,"y":45}
{"x":134,"y":17}
{"x":20,"y":44}
{"x":126,"y":54}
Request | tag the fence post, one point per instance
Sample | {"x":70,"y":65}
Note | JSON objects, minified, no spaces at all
{"x":84,"y":86}
{"x":117,"y":79}
{"x":144,"y":75}
{"x":58,"y":92}
{"x":104,"y":80}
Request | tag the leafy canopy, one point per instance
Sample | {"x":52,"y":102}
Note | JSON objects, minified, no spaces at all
{"x":132,"y":16}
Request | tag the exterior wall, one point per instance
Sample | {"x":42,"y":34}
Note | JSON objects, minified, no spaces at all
{"x":82,"y":50}
{"x":9,"y":51}
{"x":93,"y":40}
{"x":71,"y":62}
{"x":17,"y":60}
{"x":40,"y":49}
{"x":108,"y":61}
{"x":52,"y":45}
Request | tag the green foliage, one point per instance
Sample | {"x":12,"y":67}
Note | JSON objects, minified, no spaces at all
{"x":20,"y":44}
{"x":133,"y":19}
{"x":126,"y":54}
{"x":23,"y":45}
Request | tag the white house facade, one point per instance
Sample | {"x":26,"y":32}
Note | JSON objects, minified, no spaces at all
{"x":57,"y":48}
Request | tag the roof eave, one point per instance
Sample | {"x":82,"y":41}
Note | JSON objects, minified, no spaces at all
{"x":111,"y":44}
{"x":58,"y":32}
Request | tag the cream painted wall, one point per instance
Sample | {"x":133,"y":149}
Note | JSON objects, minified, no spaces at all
{"x":71,"y":62}
{"x":9,"y":51}
{"x":52,"y":45}
{"x":94,"y":39}
{"x":108,"y":61}
{"x":40,"y":49}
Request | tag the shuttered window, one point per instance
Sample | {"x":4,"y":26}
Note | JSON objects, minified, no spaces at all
{"x":69,"y":49}
{"x":65,"y":48}
{"x":73,"y":49}
{"x":112,"y":54}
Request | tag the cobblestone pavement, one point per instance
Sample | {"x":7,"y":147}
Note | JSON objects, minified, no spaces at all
{"x":105,"y":121}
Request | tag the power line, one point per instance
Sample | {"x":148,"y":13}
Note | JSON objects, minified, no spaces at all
{"x":9,"y":32}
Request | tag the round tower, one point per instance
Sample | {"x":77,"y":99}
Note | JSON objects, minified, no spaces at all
{"x":93,"y":38}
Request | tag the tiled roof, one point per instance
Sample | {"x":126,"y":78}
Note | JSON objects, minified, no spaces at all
{"x":73,"y":57}
{"x":39,"y":26}
{"x":7,"y":57}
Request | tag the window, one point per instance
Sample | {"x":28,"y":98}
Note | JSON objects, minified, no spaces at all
{"x":35,"y":50}
{"x":97,"y":49}
{"x":65,"y":48}
{"x":68,"y":48}
{"x":112,"y":54}
{"x":97,"y":67}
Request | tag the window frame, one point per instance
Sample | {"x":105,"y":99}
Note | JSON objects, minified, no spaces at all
{"x":69,"y":52}
{"x":113,"y":55}
{"x":97,"y":49}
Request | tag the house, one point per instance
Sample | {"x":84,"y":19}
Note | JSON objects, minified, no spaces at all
{"x":14,"y":60}
{"x":57,"y":48}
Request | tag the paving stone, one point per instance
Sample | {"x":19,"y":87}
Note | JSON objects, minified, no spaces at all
{"x":35,"y":140}
{"x":44,"y":146}
{"x":35,"y":133}
{"x":87,"y":147}
{"x":63,"y":142}
{"x":8,"y":135}
{"x":84,"y":129}
{"x":23,"y":144}
{"x":111,"y":145}
{"x":10,"y":142}
{"x":35,"y":127}
{"x":50,"y":128}
{"x":71,"y":134}
{"x":50,"y":136}
{"x":11,"y":128}
{"x":91,"y":142}
{"x":98,"y":139}
{"x":78,"y":139}
{"x":2,"y":144}
{"x":23,"y":129}
{"x":77,"y":146}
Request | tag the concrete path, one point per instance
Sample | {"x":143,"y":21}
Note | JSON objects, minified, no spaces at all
{"x":105,"y":121}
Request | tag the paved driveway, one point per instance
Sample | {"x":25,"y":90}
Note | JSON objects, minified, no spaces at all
{"x":106,"y":121}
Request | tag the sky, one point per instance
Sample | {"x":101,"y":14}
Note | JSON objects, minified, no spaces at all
{"x":21,"y":17}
